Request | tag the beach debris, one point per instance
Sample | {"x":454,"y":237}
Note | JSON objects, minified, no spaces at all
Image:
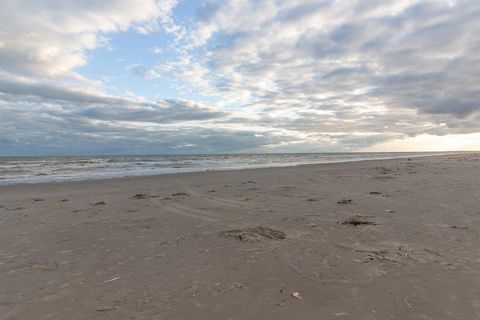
{"x":100,"y":203}
{"x":114,"y":307}
{"x":384,"y":170}
{"x":312,"y":200}
{"x":111,"y":280}
{"x":358,"y":221}
{"x":14,"y":209}
{"x":161,"y":243}
{"x":345,"y":201}
{"x":268,"y":233}
{"x":380,"y":255}
{"x":179,"y":239}
{"x":434,"y":252}
{"x":179,"y":194}
{"x":64,"y":200}
{"x":389,"y":211}
{"x":237,"y":285}
{"x":408,"y":303}
{"x":43,"y":265}
{"x":459,"y":227}
{"x":297,"y":295}
{"x":213,"y":190}
{"x":376,"y":192}
{"x":140,"y":196}
{"x":247,"y":182}
{"x":37,"y":199}
{"x":253,"y":234}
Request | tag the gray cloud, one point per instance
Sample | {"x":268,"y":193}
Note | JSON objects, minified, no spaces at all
{"x":162,"y":112}
{"x":22,"y":90}
{"x":71,"y":134}
{"x":294,"y":75}
{"x":398,"y":55}
{"x":77,"y":104}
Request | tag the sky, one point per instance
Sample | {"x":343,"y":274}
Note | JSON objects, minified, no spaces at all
{"x":84,"y":77}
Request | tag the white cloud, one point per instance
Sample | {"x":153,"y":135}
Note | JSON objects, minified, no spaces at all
{"x":403,"y":67}
{"x":294,"y":75}
{"x":51,"y":37}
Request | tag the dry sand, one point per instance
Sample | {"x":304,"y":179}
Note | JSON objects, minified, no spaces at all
{"x":391,"y":239}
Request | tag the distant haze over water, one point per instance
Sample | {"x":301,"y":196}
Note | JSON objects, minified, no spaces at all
{"x":56,"y":169}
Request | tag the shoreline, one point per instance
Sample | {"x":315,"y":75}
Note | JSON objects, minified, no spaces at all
{"x":116,"y":178}
{"x":334,"y":240}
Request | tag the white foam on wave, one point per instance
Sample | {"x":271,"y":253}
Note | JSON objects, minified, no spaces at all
{"x":56,"y":169}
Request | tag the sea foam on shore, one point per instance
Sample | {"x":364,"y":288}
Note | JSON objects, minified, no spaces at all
{"x":54,"y":169}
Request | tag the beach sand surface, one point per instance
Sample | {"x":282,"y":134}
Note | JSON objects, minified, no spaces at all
{"x":386,"y":239}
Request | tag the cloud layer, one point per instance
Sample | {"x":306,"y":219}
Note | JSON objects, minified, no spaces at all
{"x":52,"y":37}
{"x":324,"y":55}
{"x":267,"y":75}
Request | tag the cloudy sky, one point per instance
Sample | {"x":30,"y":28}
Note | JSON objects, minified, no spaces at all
{"x":190,"y":76}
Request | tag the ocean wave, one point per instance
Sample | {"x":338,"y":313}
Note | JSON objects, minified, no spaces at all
{"x":51,"y":169}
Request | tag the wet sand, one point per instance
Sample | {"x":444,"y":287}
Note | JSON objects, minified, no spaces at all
{"x":388,"y":239}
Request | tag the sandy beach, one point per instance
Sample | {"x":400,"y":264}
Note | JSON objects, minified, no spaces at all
{"x":387,"y":239}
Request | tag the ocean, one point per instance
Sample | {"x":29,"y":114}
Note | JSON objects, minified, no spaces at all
{"x":56,"y":169}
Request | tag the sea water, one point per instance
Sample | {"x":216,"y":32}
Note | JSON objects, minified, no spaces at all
{"x":55,"y":169}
